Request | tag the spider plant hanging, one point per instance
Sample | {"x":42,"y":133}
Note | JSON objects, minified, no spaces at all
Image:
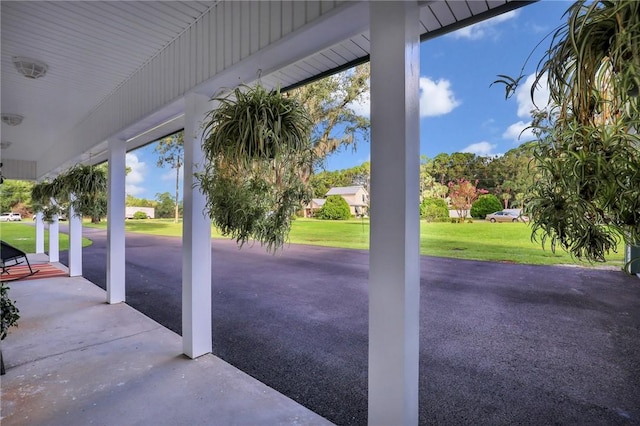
{"x":47,"y":197}
{"x":88,"y":184}
{"x":256,"y":143}
{"x":254,"y":123}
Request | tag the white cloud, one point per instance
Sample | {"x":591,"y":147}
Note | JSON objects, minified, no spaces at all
{"x":485,"y":28}
{"x":525,"y":105}
{"x":170,"y":175}
{"x":481,"y":148}
{"x":136,"y":176}
{"x":523,"y":96}
{"x":436,"y":97}
{"x":519,"y":132}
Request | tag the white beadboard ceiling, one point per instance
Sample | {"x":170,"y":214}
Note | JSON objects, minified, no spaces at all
{"x":93,"y":48}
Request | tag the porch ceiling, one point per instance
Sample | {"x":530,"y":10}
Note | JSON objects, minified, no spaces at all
{"x":92,"y":48}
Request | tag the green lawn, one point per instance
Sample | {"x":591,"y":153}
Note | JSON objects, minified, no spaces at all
{"x":23,"y":236}
{"x":480,"y":240}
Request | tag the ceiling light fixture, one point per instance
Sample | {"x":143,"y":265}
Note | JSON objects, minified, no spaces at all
{"x":11,"y":119}
{"x":30,"y":68}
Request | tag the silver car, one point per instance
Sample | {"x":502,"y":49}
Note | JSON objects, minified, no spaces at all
{"x":503,"y":216}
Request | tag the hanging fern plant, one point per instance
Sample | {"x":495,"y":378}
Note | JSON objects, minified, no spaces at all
{"x":47,"y":198}
{"x":87,"y":183}
{"x":587,"y":197}
{"x":257,"y":143}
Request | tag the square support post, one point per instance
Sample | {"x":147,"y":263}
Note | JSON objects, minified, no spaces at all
{"x":75,"y":242}
{"x":54,"y":238}
{"x":39,"y":233}
{"x":115,"y":222}
{"x":196,"y":238}
{"x":394,"y":256}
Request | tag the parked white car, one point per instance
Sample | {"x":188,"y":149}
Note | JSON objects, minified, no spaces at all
{"x":10,"y":217}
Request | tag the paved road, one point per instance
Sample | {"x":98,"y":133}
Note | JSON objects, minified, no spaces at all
{"x":500,"y":343}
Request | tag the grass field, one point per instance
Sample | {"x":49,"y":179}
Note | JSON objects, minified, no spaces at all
{"x":480,"y":240}
{"x":23,"y":236}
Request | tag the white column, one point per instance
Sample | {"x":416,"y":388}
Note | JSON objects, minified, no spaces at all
{"x":394,"y":259}
{"x":196,"y":239}
{"x":54,"y":239}
{"x":39,"y":233}
{"x":75,"y":242}
{"x":115,"y":222}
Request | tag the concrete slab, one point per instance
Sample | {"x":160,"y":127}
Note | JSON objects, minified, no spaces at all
{"x":75,"y":360}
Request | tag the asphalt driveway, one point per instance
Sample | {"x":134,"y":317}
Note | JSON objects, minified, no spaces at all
{"x":500,"y":343}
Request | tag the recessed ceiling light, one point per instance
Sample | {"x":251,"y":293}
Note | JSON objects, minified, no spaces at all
{"x":30,"y":68}
{"x":11,"y":119}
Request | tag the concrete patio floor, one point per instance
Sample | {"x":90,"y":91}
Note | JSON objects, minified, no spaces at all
{"x":75,"y":360}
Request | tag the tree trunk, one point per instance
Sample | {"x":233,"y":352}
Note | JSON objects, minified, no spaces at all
{"x":175,"y":217}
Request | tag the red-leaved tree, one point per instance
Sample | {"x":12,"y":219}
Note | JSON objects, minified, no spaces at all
{"x":462,"y":194}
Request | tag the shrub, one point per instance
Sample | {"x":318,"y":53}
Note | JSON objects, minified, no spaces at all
{"x":139,"y":215}
{"x":8,"y":312}
{"x":434,"y":210}
{"x":334,"y":208}
{"x":485,"y":204}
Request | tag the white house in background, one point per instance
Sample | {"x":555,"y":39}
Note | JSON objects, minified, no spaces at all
{"x":131,"y":211}
{"x":356,"y":196}
{"x":314,"y":205}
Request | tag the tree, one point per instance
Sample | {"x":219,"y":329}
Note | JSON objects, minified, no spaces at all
{"x":434,"y":210}
{"x":132,"y":201}
{"x":587,"y":194}
{"x":505,"y":196}
{"x":170,"y":152}
{"x":462,"y":195}
{"x":325,"y":180}
{"x":445,"y":168}
{"x":15,"y":196}
{"x":512,"y":173}
{"x":331,"y":103}
{"x":429,"y":186}
{"x":334,"y":208}
{"x":484,"y":205}
{"x":165,"y":206}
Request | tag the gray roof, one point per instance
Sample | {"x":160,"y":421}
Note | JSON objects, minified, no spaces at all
{"x":345,"y":190}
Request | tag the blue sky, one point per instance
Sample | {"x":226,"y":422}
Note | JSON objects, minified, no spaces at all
{"x":460,"y":112}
